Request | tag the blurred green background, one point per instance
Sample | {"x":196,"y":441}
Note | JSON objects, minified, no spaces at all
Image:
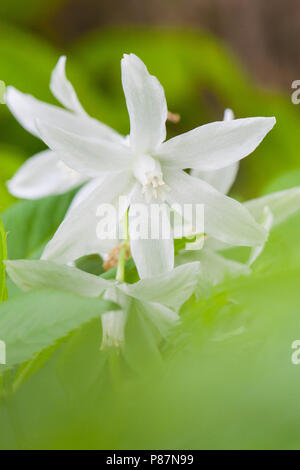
{"x":217,"y":387}
{"x":205,"y":59}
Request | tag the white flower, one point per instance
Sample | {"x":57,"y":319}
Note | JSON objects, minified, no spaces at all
{"x":159,"y":298}
{"x":143,"y":166}
{"x":269,"y":211}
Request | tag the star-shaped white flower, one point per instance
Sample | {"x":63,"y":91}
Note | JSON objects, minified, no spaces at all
{"x":144,"y":166}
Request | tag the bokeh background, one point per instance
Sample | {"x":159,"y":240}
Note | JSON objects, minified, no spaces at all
{"x":208,"y":54}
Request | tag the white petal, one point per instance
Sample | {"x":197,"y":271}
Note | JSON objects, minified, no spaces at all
{"x":282,"y":204}
{"x":27,"y":110}
{"x":222,"y":179}
{"x":161,"y":316}
{"x":85,"y":192}
{"x":171,"y":289}
{"x":113,"y":323}
{"x":267,"y":222}
{"x":215,"y":145}
{"x":146,"y":105}
{"x":89,"y":156}
{"x":28,"y":275}
{"x":63,"y":90}
{"x":214,"y":244}
{"x":151,"y":256}
{"x":113,"y":329}
{"x":77,"y":234}
{"x":42,"y":175}
{"x":214,"y":268}
{"x":224,"y":218}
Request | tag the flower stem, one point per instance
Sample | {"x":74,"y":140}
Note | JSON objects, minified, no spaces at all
{"x":122,"y":255}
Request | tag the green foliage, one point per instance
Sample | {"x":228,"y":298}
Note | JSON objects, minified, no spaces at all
{"x":17,"y":66}
{"x":287,"y":180}
{"x":34,"y":321}
{"x":31,"y":224}
{"x":90,"y":264}
{"x":223,"y":378}
{"x":10,"y":160}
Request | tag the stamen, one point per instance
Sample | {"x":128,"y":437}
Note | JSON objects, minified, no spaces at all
{"x":148,"y":172}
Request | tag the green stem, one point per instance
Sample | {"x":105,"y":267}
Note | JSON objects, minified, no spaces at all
{"x":121,"y":264}
{"x":122,"y":255}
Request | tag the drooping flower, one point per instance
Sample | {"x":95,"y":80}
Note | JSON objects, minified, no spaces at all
{"x":144,"y":166}
{"x":159,"y":298}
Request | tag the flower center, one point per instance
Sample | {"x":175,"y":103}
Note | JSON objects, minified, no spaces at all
{"x":148,"y":172}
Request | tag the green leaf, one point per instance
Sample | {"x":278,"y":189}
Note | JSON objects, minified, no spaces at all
{"x":3,"y":257}
{"x":31,"y":224}
{"x":91,"y":264}
{"x":10,"y":160}
{"x":34,"y":321}
{"x":29,"y":368}
{"x":81,"y":362}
